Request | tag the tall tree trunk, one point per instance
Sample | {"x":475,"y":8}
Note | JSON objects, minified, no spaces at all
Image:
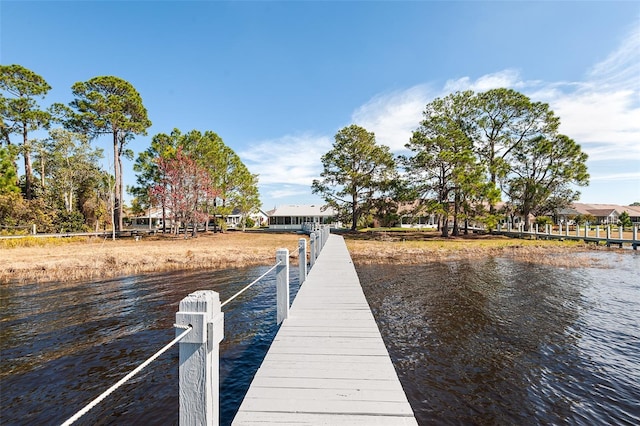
{"x":117,"y":217}
{"x":28,"y":168}
{"x":42,"y":171}
{"x":354,"y":218}
{"x":445,"y":221}
{"x":120,"y":196}
{"x":456,"y":211}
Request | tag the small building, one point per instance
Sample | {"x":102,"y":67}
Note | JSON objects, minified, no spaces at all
{"x":294,"y":217}
{"x":605,"y":214}
{"x":414,"y":215}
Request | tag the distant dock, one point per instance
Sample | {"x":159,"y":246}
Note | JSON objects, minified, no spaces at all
{"x":598,"y":235}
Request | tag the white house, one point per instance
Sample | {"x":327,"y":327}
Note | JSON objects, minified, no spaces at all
{"x":293,"y":217}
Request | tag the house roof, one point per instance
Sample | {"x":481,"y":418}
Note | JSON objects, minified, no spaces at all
{"x":602,"y":212}
{"x":568,"y":211}
{"x":585,"y":208}
{"x":302,"y":210}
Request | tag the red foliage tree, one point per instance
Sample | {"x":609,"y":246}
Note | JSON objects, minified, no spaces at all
{"x":185,"y":188}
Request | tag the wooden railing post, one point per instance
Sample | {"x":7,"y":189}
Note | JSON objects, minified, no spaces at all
{"x":302,"y":259}
{"x":620,"y":231}
{"x":608,"y":233}
{"x":199,"y":358}
{"x":597,"y":231}
{"x":635,"y":233}
{"x":312,"y":247}
{"x":323,"y":232}
{"x":577,"y":230}
{"x":318,"y":241}
{"x":282,"y":285}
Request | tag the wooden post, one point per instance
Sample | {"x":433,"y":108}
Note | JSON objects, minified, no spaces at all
{"x":566,"y":231}
{"x":302,"y":259}
{"x":608,"y":233}
{"x":577,"y":230}
{"x":597,"y":231}
{"x":312,"y":247}
{"x":586,"y":231}
{"x":620,"y":231}
{"x":635,"y":233}
{"x":282,"y":285}
{"x":325,"y":234}
{"x":199,"y":358}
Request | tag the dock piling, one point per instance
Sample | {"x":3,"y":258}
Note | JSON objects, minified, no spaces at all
{"x":199,"y":357}
{"x":282,"y":285}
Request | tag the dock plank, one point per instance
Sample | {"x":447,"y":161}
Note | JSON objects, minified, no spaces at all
{"x":328,"y":363}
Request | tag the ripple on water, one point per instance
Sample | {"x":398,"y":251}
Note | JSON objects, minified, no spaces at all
{"x":498,"y":341}
{"x":61,"y":345}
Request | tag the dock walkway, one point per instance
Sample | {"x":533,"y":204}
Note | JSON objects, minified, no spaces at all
{"x":328,"y":363}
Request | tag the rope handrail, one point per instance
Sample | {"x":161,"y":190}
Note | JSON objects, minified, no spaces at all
{"x":249,"y":285}
{"x":187,"y":329}
{"x":122,"y":381}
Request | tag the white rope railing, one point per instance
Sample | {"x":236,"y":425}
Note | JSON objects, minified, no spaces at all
{"x":187,"y":329}
{"x":249,"y":285}
{"x":122,"y":381}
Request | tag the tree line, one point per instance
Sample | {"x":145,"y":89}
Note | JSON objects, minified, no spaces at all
{"x":63,"y":188}
{"x":470,"y":151}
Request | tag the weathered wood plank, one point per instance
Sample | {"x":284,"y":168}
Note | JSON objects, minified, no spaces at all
{"x":317,"y":405}
{"x":315,"y":383}
{"x":247,"y":418}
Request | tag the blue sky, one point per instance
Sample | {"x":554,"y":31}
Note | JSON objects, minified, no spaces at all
{"x":277,"y":80}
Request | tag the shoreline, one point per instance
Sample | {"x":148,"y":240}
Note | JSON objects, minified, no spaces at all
{"x":96,"y":258}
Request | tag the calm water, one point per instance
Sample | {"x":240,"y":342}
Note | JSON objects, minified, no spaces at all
{"x":61,"y":345}
{"x":503,"y":342}
{"x":484,"y":342}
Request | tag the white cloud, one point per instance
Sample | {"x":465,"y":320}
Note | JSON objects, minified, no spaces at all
{"x":393,"y":116}
{"x":289,"y":163}
{"x":602,"y":112}
{"x":631,"y":176}
{"x":505,"y":78}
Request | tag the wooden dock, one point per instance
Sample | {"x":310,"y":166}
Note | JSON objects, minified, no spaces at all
{"x":328,"y":363}
{"x":579,"y":234}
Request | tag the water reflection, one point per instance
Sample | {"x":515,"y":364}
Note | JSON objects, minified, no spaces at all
{"x":503,"y":342}
{"x":62,"y":344}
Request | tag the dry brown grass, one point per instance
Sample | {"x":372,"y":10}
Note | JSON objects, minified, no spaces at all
{"x":422,"y":247}
{"x":94,"y":258}
{"x":84,"y":259}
